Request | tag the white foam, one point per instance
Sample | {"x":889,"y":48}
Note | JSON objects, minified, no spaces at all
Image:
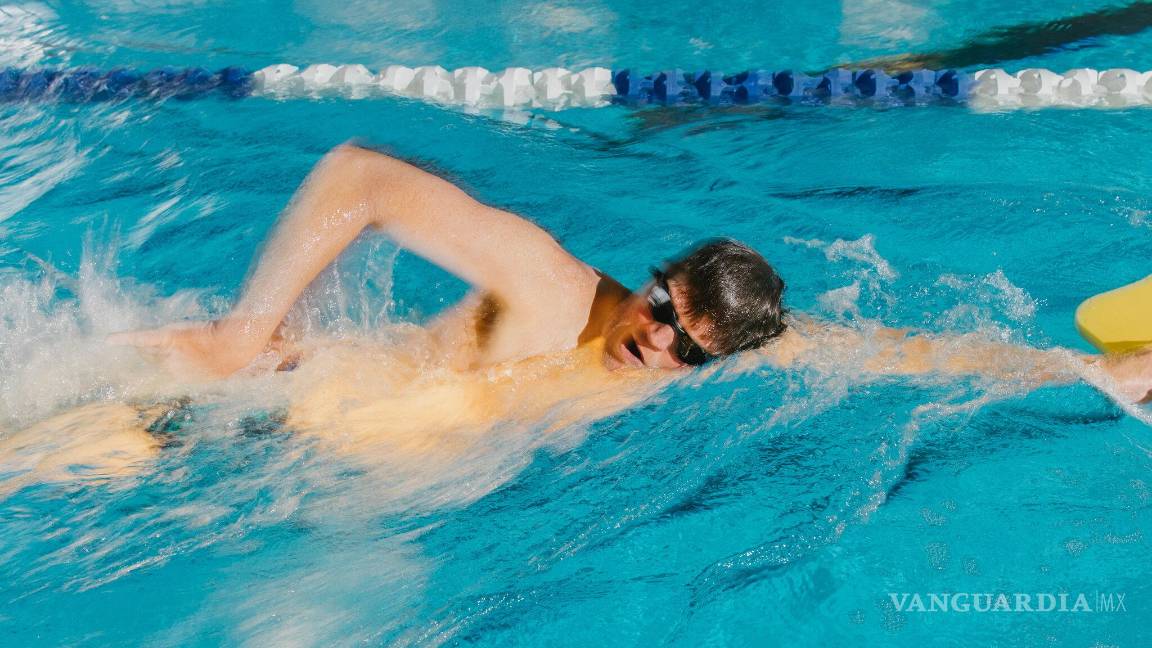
{"x":869,"y":273}
{"x":981,"y":296}
{"x":862,"y":250}
{"x":842,"y":302}
{"x":55,"y":353}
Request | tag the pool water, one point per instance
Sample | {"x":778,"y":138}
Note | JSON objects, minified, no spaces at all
{"x":763,"y":507}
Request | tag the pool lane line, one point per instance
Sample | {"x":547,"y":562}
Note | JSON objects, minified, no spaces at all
{"x":558,"y":88}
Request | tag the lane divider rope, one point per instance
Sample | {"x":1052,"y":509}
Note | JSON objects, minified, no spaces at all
{"x":558,"y":88}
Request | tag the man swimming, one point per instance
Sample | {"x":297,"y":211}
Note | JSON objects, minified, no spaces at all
{"x":534,"y":298}
{"x":544,"y":343}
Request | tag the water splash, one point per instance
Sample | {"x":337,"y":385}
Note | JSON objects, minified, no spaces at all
{"x":862,"y":250}
{"x":981,"y":298}
{"x":52,"y":329}
{"x":870,"y":274}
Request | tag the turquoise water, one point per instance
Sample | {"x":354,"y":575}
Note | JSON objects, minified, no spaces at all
{"x":731,"y":508}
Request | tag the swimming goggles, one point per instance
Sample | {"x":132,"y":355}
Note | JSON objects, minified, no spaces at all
{"x":660,"y":301}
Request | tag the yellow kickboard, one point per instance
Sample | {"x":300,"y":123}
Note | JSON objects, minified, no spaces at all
{"x":1118,"y":320}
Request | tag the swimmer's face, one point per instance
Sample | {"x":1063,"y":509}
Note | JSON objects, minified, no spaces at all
{"x":634,"y":337}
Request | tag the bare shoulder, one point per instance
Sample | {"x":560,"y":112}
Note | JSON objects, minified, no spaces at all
{"x":789,"y":347}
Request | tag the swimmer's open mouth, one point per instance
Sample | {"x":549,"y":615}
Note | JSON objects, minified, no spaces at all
{"x":634,"y":349}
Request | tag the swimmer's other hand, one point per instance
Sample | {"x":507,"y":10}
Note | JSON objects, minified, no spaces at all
{"x":196,"y":350}
{"x":1132,"y":373}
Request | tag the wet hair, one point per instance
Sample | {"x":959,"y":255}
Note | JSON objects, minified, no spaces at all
{"x":735,"y":290}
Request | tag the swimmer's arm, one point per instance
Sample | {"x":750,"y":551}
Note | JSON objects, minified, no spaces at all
{"x":902,"y":352}
{"x":354,"y":188}
{"x":1129,"y":374}
{"x":350,"y":190}
{"x":892,"y":351}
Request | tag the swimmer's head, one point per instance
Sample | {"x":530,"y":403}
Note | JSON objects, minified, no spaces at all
{"x":719,"y":298}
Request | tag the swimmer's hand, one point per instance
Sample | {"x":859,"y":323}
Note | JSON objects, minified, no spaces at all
{"x":1132,"y":373}
{"x":201,"y":350}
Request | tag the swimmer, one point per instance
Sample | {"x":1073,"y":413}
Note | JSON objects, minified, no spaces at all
{"x":533,"y":298}
{"x":543,"y":338}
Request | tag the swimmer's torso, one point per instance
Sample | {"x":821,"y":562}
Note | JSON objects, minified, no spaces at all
{"x":388,"y":400}
{"x":484,"y":330}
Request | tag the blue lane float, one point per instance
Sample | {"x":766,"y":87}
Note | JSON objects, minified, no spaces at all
{"x":86,"y":85}
{"x":558,"y":88}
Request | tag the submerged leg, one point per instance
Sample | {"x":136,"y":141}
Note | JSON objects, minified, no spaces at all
{"x":95,"y":442}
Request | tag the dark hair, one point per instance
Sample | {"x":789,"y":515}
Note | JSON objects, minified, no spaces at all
{"x":735,"y":289}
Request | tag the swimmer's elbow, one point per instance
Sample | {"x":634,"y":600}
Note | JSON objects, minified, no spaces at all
{"x":363,"y":168}
{"x":349,"y":153}
{"x":395,"y":192}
